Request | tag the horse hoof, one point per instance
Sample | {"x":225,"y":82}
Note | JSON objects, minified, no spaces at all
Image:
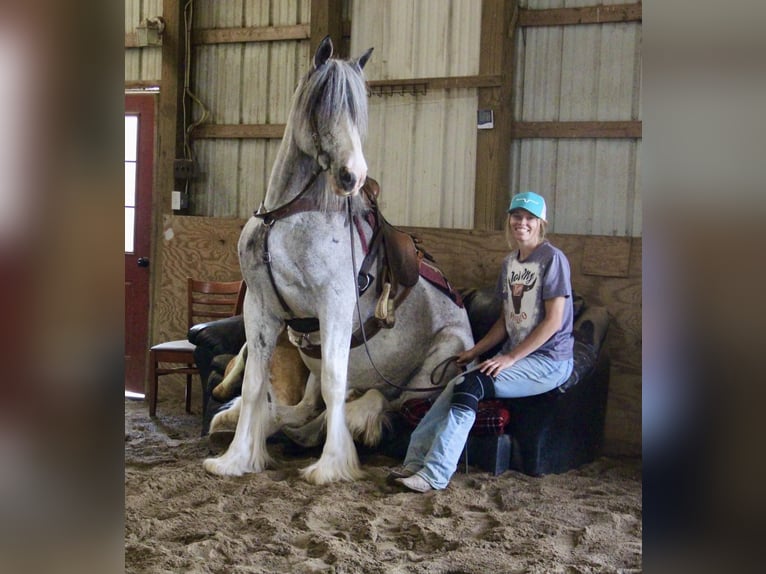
{"x":318,"y":474}
{"x":222,"y":467}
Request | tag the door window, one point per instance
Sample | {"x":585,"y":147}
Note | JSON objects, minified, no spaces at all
{"x":131,"y":162}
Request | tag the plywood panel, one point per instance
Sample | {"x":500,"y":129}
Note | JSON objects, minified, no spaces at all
{"x":199,"y":247}
{"x":606,"y":256}
{"x":473,"y":258}
{"x":207,"y":247}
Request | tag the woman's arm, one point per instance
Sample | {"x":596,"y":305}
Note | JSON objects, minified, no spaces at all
{"x":554,"y":318}
{"x":495,"y":335}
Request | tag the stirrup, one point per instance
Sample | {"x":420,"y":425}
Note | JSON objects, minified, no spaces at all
{"x":384,"y":310}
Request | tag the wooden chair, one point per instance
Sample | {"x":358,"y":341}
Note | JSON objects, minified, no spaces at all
{"x":206,"y":301}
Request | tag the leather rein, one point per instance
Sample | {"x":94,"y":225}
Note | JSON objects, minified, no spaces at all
{"x":301,"y":204}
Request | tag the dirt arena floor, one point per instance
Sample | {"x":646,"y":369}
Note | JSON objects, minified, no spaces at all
{"x":178,"y":518}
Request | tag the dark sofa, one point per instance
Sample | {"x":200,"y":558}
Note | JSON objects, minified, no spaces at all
{"x":548,"y":433}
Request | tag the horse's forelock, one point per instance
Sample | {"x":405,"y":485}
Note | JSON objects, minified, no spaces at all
{"x":332,"y":90}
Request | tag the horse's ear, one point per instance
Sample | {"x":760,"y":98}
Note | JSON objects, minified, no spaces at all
{"x":324,"y":51}
{"x":363,"y":59}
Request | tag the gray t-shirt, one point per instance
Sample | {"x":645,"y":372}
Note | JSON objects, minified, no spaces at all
{"x":524,"y":286}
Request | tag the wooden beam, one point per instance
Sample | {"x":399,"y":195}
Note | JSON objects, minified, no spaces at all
{"x":326,"y":20}
{"x":239,"y":131}
{"x":250,"y":34}
{"x":584,"y":15}
{"x":563,"y":130}
{"x":436,"y":83}
{"x":493,"y":146}
{"x":169,"y":136}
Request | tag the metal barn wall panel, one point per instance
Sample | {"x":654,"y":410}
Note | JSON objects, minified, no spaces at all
{"x":242,"y":83}
{"x":142,"y":63}
{"x":580,"y":73}
{"x":421,"y":147}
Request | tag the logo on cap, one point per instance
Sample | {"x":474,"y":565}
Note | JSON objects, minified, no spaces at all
{"x":532,"y":202}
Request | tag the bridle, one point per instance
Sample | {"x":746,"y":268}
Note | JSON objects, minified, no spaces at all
{"x":298,"y":204}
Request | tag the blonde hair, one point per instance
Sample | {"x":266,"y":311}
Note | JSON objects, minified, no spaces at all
{"x":509,"y":232}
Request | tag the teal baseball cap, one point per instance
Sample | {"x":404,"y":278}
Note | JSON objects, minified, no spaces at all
{"x":532,"y":202}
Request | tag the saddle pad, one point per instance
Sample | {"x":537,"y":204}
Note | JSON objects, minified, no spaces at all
{"x":433,"y":275}
{"x":491,"y":418}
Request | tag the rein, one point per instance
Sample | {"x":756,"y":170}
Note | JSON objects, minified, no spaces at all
{"x":443,"y":365}
{"x":298,"y":203}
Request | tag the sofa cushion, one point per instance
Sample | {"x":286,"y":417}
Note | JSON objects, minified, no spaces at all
{"x":491,"y":418}
{"x":223,"y":336}
{"x":589,"y":333}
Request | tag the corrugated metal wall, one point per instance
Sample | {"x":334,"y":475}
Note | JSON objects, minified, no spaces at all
{"x":142,"y":64}
{"x":243,"y":83}
{"x":580,"y":73}
{"x":422,"y":148}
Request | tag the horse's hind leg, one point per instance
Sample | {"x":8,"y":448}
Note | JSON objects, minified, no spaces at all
{"x":301,"y":413}
{"x":226,"y":418}
{"x":366,"y":417}
{"x":227,"y":388}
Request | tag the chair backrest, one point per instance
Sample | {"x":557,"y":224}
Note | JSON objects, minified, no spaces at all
{"x":211,"y":300}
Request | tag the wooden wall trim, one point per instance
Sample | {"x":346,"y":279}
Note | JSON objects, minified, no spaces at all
{"x":605,"y":271}
{"x":169,"y":138}
{"x":561,"y":130}
{"x":326,"y":21}
{"x":422,"y":85}
{"x":583,"y":15}
{"x":493,"y":146}
{"x":206,"y":36}
{"x":239,"y":131}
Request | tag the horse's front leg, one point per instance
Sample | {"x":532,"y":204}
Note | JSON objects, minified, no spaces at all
{"x":339,"y":460}
{"x":247,"y":451}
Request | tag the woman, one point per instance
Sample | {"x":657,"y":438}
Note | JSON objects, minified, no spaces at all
{"x":536,"y":325}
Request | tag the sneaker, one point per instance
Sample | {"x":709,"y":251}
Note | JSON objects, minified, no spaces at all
{"x":399,"y":472}
{"x":415,"y":482}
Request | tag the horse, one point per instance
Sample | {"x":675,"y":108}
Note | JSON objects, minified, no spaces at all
{"x":298,"y":258}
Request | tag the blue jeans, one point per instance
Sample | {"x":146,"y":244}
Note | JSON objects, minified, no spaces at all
{"x":437,"y":442}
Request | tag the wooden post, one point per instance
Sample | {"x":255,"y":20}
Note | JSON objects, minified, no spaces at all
{"x":326,"y":19}
{"x":169,"y":137}
{"x":493,"y":146}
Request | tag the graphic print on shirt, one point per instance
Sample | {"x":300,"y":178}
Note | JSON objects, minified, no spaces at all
{"x":522,"y":288}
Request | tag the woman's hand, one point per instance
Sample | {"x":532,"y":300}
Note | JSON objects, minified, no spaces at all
{"x":466,"y":357}
{"x":496,"y":364}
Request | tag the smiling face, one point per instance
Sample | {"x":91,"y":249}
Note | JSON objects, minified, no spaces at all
{"x":525,"y":228}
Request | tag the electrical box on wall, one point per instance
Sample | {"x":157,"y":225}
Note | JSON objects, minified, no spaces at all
{"x":485,"y":119}
{"x":179,"y":200}
{"x":149,"y":32}
{"x":183,"y":168}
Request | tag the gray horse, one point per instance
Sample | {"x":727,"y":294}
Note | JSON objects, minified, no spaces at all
{"x":300,"y":256}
